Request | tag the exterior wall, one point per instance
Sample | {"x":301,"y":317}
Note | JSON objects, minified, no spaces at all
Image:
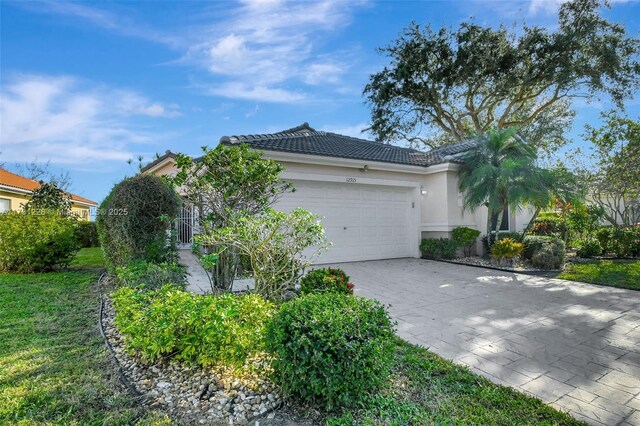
{"x":18,"y":200}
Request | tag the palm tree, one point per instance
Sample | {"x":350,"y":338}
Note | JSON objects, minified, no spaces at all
{"x":501,"y":173}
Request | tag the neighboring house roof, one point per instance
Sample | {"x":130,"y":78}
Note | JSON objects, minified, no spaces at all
{"x":304,"y":139}
{"x":10,"y":181}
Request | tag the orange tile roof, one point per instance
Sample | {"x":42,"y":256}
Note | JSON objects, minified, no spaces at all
{"x":20,"y":182}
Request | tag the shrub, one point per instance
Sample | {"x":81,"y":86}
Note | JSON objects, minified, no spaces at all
{"x":603,"y":235}
{"x":625,"y":242}
{"x":544,"y":252}
{"x":150,"y":275}
{"x":326,"y":280}
{"x":331,"y":349}
{"x":549,"y":226}
{"x":589,"y":247}
{"x":218,"y":330}
{"x":273,"y":243}
{"x":506,"y":248}
{"x":516,"y":236}
{"x":133,"y":221}
{"x":87,"y":234}
{"x":533,"y":243}
{"x":439,"y":248}
{"x":35,"y":242}
{"x":465,"y":237}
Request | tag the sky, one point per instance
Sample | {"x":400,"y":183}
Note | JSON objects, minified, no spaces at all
{"x":87,"y":86}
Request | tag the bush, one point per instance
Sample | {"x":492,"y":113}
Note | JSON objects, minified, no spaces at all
{"x":133,"y":221}
{"x":544,"y":252}
{"x":516,"y":236}
{"x":34,"y":242}
{"x":589,"y":247}
{"x":225,"y":330}
{"x":439,"y":248}
{"x":326,"y":280}
{"x":506,"y":248}
{"x":465,"y":237}
{"x":151,"y":276}
{"x":549,"y":226}
{"x":603,"y":235}
{"x":331,"y":349}
{"x":625,"y":242}
{"x":87,"y":234}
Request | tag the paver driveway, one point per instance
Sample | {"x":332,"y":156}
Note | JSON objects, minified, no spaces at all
{"x":576,"y":346}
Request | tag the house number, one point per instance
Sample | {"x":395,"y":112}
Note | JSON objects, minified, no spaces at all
{"x":351,"y":180}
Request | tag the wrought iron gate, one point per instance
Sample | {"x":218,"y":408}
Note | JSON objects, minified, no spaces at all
{"x":186,"y":226}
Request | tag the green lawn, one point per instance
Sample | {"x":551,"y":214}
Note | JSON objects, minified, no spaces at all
{"x":613,"y":273}
{"x":54,"y":367}
{"x":426,"y":389}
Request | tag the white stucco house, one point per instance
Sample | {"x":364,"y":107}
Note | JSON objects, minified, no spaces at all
{"x":377,"y":200}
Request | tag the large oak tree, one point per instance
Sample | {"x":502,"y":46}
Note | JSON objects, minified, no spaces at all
{"x":457,"y":83}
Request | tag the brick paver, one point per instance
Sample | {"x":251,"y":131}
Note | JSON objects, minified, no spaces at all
{"x":573,"y":345}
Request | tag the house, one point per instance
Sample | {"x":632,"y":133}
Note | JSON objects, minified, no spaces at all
{"x":377,"y":200}
{"x":15,"y":191}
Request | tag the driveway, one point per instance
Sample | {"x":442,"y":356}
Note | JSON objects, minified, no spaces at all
{"x":575,"y":346}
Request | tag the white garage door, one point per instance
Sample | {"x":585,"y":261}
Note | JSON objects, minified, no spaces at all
{"x":364,"y":222}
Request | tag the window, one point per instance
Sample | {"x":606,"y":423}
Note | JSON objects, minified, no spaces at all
{"x":5,"y":205}
{"x":504,"y":225}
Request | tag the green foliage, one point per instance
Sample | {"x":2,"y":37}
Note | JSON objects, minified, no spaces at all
{"x":48,"y":199}
{"x":226,"y":182}
{"x":506,"y":248}
{"x":583,"y":220}
{"x":500,"y":173}
{"x":87,"y":234}
{"x":218,"y":330}
{"x":466,"y":80}
{"x":517,"y":236}
{"x":273,"y":243}
{"x":603,"y":235}
{"x":151,"y":276}
{"x":326,"y":280}
{"x":549,"y":226}
{"x":625,"y":241}
{"x":134,"y":219}
{"x":545,"y":252}
{"x":439,"y":248}
{"x":36,"y":242}
{"x":465,"y":237}
{"x":611,"y":173}
{"x":589,"y":247}
{"x":331,"y":349}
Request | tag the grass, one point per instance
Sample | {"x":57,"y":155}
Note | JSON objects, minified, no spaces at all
{"x":612,"y":273}
{"x":54,"y":367}
{"x":426,"y":389}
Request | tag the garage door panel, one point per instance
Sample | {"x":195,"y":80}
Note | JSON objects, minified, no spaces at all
{"x":363,"y":222}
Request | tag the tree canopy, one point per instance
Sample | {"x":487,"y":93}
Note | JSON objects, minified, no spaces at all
{"x":457,"y":83}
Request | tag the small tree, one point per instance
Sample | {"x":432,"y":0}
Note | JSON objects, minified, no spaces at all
{"x":48,"y":198}
{"x":465,"y":237}
{"x":499,"y":173}
{"x":273,"y":242}
{"x":226,"y":182}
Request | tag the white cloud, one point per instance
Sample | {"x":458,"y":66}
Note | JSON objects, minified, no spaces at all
{"x":62,"y":120}
{"x":549,"y":7}
{"x":266,"y":46}
{"x":355,"y":130}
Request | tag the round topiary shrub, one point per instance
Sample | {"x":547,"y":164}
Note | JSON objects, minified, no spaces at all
{"x":36,"y":242}
{"x":331,"y":349}
{"x":134,"y":219}
{"x":326,"y":280}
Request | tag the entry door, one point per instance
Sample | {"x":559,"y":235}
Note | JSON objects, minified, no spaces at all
{"x":364,"y":222}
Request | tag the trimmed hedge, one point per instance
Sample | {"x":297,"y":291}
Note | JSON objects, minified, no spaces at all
{"x":36,"y":242}
{"x":326,"y":280}
{"x":439,"y":248}
{"x":134,"y":219}
{"x":331,"y":349}
{"x":225,"y":330}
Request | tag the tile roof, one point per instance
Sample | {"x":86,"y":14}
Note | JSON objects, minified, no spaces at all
{"x":304,"y":139}
{"x":20,"y":182}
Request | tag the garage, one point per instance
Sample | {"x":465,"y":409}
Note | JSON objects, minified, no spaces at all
{"x":364,"y":222}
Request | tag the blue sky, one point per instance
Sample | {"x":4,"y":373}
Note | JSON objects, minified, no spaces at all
{"x":89,"y":85}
